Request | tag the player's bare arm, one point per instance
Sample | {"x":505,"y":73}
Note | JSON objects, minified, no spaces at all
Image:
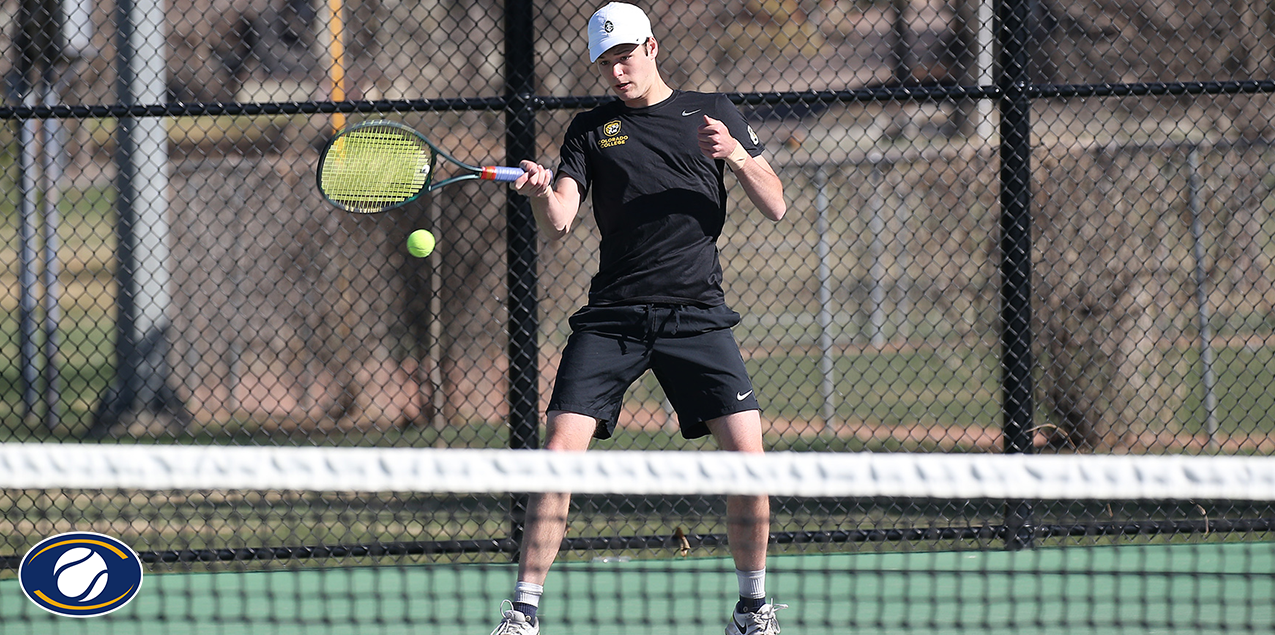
{"x":554,"y":203}
{"x":759,"y":180}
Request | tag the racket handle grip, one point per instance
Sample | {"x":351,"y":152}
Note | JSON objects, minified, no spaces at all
{"x":500,"y":173}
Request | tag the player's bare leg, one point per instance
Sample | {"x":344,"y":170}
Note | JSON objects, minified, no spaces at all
{"x":748,"y":517}
{"x":545,"y":525}
{"x":547,"y":513}
{"x":747,"y":529}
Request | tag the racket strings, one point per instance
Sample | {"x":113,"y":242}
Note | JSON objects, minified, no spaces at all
{"x":370,"y":169}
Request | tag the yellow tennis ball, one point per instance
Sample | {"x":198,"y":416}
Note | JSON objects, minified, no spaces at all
{"x":420,"y":243}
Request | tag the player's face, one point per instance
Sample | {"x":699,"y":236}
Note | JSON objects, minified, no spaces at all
{"x":629,"y":70}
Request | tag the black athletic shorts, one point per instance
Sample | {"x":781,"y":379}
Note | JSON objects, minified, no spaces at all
{"x":691,"y":350}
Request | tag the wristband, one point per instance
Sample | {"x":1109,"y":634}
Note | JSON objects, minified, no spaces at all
{"x":738,"y":156}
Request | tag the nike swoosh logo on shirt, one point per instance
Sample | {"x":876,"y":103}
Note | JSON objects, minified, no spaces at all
{"x":742,"y":396}
{"x":687,"y":114}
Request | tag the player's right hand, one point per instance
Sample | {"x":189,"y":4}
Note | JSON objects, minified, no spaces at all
{"x":536,"y":183}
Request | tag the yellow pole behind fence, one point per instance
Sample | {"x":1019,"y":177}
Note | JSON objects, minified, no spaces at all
{"x":336,"y":29}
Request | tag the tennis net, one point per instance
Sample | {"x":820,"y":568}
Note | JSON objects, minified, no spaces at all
{"x":371,"y":540}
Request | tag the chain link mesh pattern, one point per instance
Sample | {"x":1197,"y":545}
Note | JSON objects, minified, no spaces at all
{"x":176,"y":277}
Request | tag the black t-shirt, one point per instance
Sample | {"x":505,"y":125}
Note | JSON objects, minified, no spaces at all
{"x":659,"y":202}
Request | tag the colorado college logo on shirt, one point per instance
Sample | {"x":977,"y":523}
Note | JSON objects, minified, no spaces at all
{"x":80,"y":574}
{"x":612,"y":135}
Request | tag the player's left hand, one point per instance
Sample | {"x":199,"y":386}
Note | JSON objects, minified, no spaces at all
{"x":715,"y":140}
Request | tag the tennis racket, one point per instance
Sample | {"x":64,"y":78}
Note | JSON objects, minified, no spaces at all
{"x":376,"y":166}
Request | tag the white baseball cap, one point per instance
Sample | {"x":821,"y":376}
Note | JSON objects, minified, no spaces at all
{"x":617,"y":23}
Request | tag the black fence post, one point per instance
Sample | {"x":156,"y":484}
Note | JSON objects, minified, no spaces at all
{"x":118,"y":399}
{"x":1016,"y":245}
{"x":520,"y":141}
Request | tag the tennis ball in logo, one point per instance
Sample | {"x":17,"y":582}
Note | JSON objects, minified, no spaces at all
{"x":80,"y":574}
{"x":420,"y":243}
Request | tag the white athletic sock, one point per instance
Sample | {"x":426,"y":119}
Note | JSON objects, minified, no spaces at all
{"x":528,"y":593}
{"x":752,"y":584}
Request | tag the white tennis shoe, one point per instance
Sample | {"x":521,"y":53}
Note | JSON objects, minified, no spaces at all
{"x":762,"y":622}
{"x":515,"y":623}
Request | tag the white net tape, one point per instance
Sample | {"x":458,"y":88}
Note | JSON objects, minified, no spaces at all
{"x":1064,"y":477}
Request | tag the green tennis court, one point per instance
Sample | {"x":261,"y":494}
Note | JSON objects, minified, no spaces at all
{"x":1198,"y":588}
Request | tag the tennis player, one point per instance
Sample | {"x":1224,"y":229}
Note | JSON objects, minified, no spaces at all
{"x":654,"y":161}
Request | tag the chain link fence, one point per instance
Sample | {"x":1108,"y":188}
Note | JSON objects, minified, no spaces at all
{"x":171,"y":274}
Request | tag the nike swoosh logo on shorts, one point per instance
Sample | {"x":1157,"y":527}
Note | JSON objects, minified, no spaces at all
{"x":742,"y":395}
{"x":687,"y":114}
